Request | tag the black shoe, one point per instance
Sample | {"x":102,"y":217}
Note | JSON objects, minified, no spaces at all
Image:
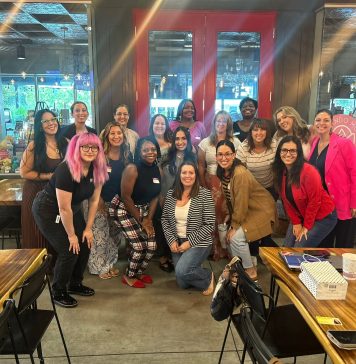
{"x":63,"y":299}
{"x":166,"y":266}
{"x":81,"y":290}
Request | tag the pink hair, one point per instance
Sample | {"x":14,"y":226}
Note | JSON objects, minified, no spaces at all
{"x":75,"y":162}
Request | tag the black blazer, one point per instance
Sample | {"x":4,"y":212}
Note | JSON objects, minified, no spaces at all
{"x":200,"y":221}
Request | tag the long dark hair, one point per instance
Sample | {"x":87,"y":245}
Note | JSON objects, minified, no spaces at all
{"x":259,"y":124}
{"x":40,"y":153}
{"x":140,"y":142}
{"x":172,"y":152}
{"x":181,"y":107}
{"x":178,"y":186}
{"x":167,"y":136}
{"x":235,"y":163}
{"x":327,"y":111}
{"x":279,"y":167}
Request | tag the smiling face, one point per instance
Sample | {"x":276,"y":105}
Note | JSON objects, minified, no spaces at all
{"x":89,"y":152}
{"x":248,"y":110}
{"x":80,"y":113}
{"x":181,"y":141}
{"x":220,"y":124}
{"x":187,"y":176}
{"x":258,"y":135}
{"x":122,"y":116}
{"x":148,"y":152}
{"x":285,"y":122}
{"x":115,"y":137}
{"x":289,"y":153}
{"x":323,"y":123}
{"x":159,"y":126}
{"x":188,"y":111}
{"x":49,"y":123}
{"x":225,"y":157}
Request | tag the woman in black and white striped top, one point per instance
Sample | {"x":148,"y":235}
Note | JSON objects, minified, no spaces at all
{"x":188,"y":221}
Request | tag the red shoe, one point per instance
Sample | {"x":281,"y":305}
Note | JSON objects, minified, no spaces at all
{"x":132,"y":282}
{"x":145,"y":278}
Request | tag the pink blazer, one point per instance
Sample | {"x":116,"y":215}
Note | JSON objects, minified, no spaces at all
{"x":340,"y":173}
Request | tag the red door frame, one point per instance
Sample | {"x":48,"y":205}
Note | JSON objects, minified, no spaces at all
{"x":204,"y":25}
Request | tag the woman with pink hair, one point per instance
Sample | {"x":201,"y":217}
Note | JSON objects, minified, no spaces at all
{"x":58,"y":214}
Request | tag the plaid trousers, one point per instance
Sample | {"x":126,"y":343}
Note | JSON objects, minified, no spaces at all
{"x":142,"y":247}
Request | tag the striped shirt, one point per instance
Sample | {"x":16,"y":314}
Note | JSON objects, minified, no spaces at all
{"x":259,"y":164}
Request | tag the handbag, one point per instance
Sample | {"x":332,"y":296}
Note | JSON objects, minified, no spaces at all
{"x":226,"y":295}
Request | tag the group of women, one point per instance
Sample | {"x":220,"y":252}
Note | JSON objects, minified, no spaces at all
{"x":171,"y":191}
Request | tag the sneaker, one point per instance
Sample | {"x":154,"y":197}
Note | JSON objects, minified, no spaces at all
{"x":63,"y":299}
{"x":81,"y":290}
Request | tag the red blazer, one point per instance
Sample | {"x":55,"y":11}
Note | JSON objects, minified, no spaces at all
{"x":313,"y":202}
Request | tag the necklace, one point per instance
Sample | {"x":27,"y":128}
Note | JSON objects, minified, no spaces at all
{"x":53,"y":148}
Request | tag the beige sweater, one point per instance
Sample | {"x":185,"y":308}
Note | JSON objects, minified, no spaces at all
{"x":253,"y":206}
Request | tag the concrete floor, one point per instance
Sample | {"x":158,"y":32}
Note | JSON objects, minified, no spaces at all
{"x":158,"y":324}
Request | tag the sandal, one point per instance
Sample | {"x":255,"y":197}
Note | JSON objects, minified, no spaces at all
{"x":106,"y":275}
{"x":114,"y":272}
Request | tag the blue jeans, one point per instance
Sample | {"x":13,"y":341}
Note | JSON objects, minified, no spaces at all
{"x":189,"y":272}
{"x":315,"y":236}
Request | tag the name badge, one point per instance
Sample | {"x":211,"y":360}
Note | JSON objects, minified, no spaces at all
{"x":58,"y":219}
{"x":109,"y":169}
{"x":197,"y":137}
{"x":91,"y":180}
{"x":228,"y":186}
{"x":155,"y":180}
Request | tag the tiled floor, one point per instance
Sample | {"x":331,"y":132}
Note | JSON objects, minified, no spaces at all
{"x":158,"y":324}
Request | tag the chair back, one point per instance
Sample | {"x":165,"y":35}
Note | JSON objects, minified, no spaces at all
{"x":4,"y":323}
{"x":251,"y":292}
{"x":33,"y":286}
{"x":258,"y":351}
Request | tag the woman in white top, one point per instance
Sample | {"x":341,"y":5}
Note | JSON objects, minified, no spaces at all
{"x":222,"y":128}
{"x":257,"y":152}
{"x":289,"y":122}
{"x":188,"y":220}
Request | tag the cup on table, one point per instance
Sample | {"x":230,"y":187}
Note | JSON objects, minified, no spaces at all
{"x":349,"y":266}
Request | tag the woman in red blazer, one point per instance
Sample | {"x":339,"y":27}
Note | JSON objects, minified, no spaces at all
{"x":335,"y":159}
{"x":309,"y":207}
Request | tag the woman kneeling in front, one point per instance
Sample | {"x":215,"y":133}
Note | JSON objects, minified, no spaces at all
{"x":188,"y":221}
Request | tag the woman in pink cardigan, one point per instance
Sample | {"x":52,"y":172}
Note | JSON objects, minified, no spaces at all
{"x":335,"y":158}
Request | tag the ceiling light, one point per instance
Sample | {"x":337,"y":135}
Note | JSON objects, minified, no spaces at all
{"x":20,"y":50}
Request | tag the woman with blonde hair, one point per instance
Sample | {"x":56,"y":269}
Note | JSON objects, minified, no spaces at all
{"x":222,"y":129}
{"x":104,"y":252}
{"x":289,"y":122}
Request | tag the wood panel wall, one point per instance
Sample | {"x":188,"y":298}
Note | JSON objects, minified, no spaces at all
{"x":114,"y":61}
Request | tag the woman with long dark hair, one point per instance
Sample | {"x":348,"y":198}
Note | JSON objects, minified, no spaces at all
{"x":160,"y":131}
{"x":58,"y":213}
{"x":188,"y":220}
{"x":252,"y":208}
{"x":309,"y":207}
{"x":335,"y":159}
{"x":104,"y":251}
{"x":180,"y":151}
{"x":187,"y":117}
{"x":38,"y":163}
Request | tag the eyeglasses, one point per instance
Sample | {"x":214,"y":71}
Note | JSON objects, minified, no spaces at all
{"x":222,"y":155}
{"x":124,"y":114}
{"x":86,"y":148}
{"x":285,"y":151}
{"x":53,"y":120}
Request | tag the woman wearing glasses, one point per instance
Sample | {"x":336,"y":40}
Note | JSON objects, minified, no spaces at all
{"x":38,"y":163}
{"x":187,"y":117}
{"x":134,"y":210}
{"x":222,"y":129}
{"x":122,"y":116}
{"x":309,"y":207}
{"x":79,"y":111}
{"x":335,"y":159}
{"x":58,"y":214}
{"x":252,"y":208}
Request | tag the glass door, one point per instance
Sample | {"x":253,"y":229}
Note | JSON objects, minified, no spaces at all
{"x":215,"y":58}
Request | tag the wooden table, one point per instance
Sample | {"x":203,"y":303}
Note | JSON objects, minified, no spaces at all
{"x":11,"y":192}
{"x":15,"y":266}
{"x":309,"y":307}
